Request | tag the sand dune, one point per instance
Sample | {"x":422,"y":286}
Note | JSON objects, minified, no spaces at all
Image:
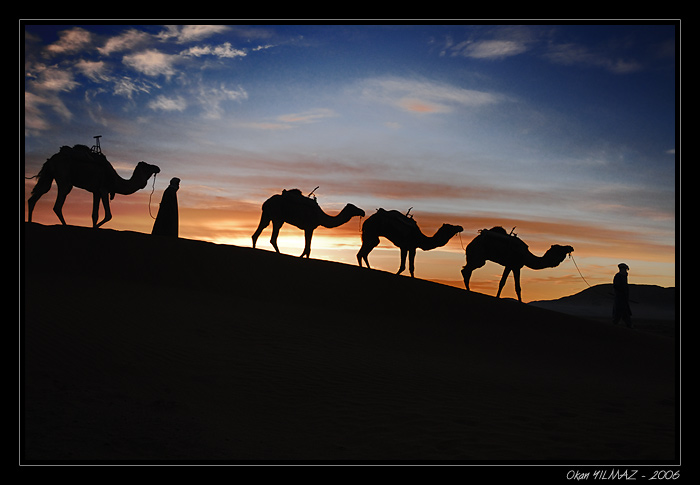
{"x":653,"y":307}
{"x":138,"y":348}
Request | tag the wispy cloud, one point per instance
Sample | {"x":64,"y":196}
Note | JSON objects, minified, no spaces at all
{"x":70,"y":41}
{"x":488,"y":49}
{"x":224,"y":50}
{"x":288,"y":121}
{"x":211,"y":98}
{"x":570,"y":54}
{"x":311,"y":116}
{"x":151,"y":62}
{"x":164,"y":103}
{"x":128,"y":40}
{"x":46,"y":83}
{"x":190,"y":33}
{"x":417,"y":96}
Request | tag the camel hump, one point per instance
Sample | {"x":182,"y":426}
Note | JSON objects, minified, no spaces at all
{"x":398,"y":217}
{"x":291,"y":192}
{"x":498,"y":229}
{"x":82,"y":153}
{"x":500,"y":234}
{"x":295,"y":195}
{"x":390,"y":220}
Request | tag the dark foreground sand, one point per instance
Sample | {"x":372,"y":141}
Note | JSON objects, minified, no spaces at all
{"x":142,"y":348}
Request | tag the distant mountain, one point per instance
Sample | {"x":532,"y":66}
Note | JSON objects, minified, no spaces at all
{"x":648,"y":302}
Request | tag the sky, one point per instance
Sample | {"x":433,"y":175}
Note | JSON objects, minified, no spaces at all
{"x":565,"y":132}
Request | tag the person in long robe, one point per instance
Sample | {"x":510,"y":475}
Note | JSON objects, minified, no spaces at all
{"x":167,"y":220}
{"x":621,"y":305}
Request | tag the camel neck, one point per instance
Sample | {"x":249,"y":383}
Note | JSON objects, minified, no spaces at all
{"x":336,"y":220}
{"x":127,"y":186}
{"x":439,"y":239}
{"x":539,"y":262}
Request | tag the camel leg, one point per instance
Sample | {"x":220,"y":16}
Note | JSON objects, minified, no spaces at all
{"x":502,"y":283}
{"x":466,"y":276}
{"x":95,"y":208}
{"x":516,"y":277}
{"x":108,"y":211}
{"x":60,"y":199}
{"x":36,"y":195}
{"x":368,"y":244}
{"x":275,"y":232}
{"x":30,"y":205}
{"x":468,"y":269}
{"x":404,"y":253}
{"x":264,"y":222}
{"x":42,"y":186}
{"x":412,"y":261}
{"x":308,"y":233}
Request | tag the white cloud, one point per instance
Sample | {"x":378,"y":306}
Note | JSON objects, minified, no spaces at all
{"x":190,"y":33}
{"x":51,"y":78}
{"x":127,"y":87}
{"x":128,"y":40}
{"x":35,"y":119}
{"x":164,"y":103}
{"x":95,"y":70}
{"x":212,"y":98}
{"x":224,"y":50}
{"x":424,"y":96}
{"x":311,"y":116}
{"x":489,"y":49}
{"x":70,"y":41}
{"x":151,"y":62}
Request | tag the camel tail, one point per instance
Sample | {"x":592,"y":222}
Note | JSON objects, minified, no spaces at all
{"x":44,"y":181}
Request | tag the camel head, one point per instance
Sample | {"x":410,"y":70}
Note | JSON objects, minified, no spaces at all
{"x":557,"y":253}
{"x":447,"y":231}
{"x":143,"y":171}
{"x":354,"y":210}
{"x":450,"y":229}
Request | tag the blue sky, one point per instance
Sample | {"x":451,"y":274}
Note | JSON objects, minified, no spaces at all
{"x":566,"y":131}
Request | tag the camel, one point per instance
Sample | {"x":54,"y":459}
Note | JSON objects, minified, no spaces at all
{"x":508,"y":250}
{"x":303,"y":212}
{"x":82,"y":168}
{"x":403,"y":231}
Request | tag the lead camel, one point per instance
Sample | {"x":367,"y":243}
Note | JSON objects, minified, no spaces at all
{"x":82,"y":168}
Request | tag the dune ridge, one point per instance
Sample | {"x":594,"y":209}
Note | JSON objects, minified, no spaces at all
{"x":180,"y":350}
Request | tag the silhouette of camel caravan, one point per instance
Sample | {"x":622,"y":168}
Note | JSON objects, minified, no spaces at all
{"x":292,"y":207}
{"x":510,"y":251}
{"x":90,"y":170}
{"x":403,"y":231}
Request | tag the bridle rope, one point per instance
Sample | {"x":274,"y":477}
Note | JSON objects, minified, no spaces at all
{"x":153,"y":188}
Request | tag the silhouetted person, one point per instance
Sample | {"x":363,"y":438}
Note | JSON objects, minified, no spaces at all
{"x":621,"y":306}
{"x":167,"y":220}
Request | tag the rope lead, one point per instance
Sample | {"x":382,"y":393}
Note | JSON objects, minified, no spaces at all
{"x":149,"y":197}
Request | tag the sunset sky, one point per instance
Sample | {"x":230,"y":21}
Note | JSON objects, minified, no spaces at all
{"x":567,"y":132}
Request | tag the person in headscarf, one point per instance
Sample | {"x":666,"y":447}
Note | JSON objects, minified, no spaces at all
{"x":621,"y":305}
{"x":167,"y":219}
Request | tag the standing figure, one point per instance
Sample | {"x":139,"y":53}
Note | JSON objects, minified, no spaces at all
{"x":167,"y":220}
{"x":621,"y":305}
